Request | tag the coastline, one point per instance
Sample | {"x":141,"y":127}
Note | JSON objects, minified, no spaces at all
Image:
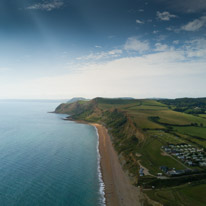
{"x":101,"y":182}
{"x":116,"y":186}
{"x":118,"y":189}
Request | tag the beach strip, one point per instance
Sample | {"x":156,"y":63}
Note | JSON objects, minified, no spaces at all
{"x":118,"y":189}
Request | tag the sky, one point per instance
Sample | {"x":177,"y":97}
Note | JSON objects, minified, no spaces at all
{"x":59,"y":49}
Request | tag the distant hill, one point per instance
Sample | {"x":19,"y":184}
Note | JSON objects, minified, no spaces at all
{"x":75,"y":99}
{"x":125,"y":98}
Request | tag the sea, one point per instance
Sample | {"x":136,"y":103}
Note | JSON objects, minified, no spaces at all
{"x":45,"y":160}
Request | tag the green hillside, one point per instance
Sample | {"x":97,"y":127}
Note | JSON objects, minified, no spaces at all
{"x":140,"y":129}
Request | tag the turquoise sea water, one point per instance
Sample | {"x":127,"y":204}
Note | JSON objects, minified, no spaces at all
{"x":45,"y":161}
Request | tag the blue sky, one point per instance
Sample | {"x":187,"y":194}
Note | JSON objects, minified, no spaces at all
{"x":64,"y":48}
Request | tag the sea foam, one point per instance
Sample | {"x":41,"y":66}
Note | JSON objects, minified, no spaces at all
{"x":101,"y":182}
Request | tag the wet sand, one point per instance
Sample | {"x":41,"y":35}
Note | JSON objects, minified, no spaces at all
{"x":118,"y":189}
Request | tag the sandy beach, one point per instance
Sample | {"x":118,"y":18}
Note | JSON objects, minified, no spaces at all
{"x":118,"y":189}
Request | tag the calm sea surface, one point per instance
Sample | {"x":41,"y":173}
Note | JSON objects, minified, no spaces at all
{"x":44,"y":160}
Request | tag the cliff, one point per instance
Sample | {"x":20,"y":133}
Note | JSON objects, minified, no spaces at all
{"x":123,"y":131}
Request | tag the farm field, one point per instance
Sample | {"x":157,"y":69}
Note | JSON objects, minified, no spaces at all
{"x":186,"y":195}
{"x":164,"y":137}
{"x":202,"y":115}
{"x":194,"y":134}
{"x":192,"y":131}
{"x":178,"y":118}
{"x":139,"y":130}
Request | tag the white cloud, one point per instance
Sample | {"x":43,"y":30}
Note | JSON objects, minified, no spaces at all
{"x":161,"y":47}
{"x":162,"y":74}
{"x":174,"y":29}
{"x":139,"y":21}
{"x":195,"y":25}
{"x":47,"y":6}
{"x":134,"y":44}
{"x":169,"y":29}
{"x":155,"y":31}
{"x":102,"y":55}
{"x":195,"y":48}
{"x":136,"y":10}
{"x":161,"y":37}
{"x":176,"y":42}
{"x":165,"y":15}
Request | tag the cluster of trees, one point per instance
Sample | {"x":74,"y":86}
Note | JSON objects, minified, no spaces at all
{"x":197,"y":125}
{"x":187,"y":105}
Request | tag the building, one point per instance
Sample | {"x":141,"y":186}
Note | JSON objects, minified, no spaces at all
{"x":141,"y":172}
{"x":164,"y":169}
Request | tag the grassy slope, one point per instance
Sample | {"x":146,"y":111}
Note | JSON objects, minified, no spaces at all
{"x":202,"y":115}
{"x":137,"y":137}
{"x":186,"y":195}
{"x":195,"y":134}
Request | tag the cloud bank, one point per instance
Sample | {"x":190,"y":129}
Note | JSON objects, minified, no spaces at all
{"x":139,"y":21}
{"x":102,"y":55}
{"x":195,"y":25}
{"x":165,"y":73}
{"x":165,"y":15}
{"x":134,"y":44}
{"x":48,"y":6}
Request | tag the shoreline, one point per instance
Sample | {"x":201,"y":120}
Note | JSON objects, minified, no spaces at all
{"x":101,"y":182}
{"x":117,"y":187}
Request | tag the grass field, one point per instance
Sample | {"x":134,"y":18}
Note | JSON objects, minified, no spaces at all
{"x":195,"y":134}
{"x":165,"y":138}
{"x":139,"y":129}
{"x":178,"y":118}
{"x":202,"y":115}
{"x":193,"y":131}
{"x":142,"y":121}
{"x":152,"y":157}
{"x":186,"y":195}
{"x":142,"y":110}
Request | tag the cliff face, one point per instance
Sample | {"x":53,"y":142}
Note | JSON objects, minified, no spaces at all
{"x":122,"y":129}
{"x":75,"y":108}
{"x":80,"y":110}
{"x":106,"y":112}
